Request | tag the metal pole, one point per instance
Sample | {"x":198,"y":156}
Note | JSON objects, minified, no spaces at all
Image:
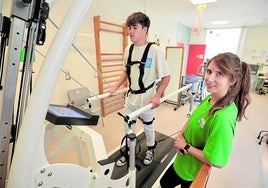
{"x":20,"y":15}
{"x":132,"y":154}
{"x":27,"y":74}
{"x":95,"y":98}
{"x":136,"y":113}
{"x":26,"y":160}
{"x":15,"y":45}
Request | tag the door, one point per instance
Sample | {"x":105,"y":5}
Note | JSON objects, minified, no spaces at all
{"x":195,"y":59}
{"x":174,"y":57}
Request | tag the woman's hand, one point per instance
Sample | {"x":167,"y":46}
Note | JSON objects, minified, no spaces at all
{"x":179,"y":143}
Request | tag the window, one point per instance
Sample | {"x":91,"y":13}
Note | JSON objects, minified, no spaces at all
{"x":221,"y":40}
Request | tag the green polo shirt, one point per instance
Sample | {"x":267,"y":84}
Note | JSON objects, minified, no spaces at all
{"x":211,"y":133}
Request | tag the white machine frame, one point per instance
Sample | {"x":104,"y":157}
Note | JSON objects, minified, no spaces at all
{"x":98,"y":174}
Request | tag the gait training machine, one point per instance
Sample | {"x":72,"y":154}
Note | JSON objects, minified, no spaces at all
{"x":29,"y":166}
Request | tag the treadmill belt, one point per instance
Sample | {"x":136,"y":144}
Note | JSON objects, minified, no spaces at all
{"x":147,"y":175}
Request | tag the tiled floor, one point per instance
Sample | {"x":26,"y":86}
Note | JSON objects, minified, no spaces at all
{"x":248,"y":165}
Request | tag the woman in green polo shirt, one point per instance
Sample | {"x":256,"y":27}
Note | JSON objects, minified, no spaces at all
{"x":207,"y":137}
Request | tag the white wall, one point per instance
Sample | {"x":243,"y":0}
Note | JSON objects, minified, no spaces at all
{"x":115,"y":11}
{"x":255,"y":49}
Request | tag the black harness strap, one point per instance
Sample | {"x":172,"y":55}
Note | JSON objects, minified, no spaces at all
{"x":129,"y":63}
{"x":147,"y":122}
{"x":141,"y":67}
{"x":143,"y":60}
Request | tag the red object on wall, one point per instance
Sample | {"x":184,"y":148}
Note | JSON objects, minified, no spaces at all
{"x":195,"y":59}
{"x":180,"y":44}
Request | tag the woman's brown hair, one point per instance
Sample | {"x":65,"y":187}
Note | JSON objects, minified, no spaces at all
{"x":239,"y":91}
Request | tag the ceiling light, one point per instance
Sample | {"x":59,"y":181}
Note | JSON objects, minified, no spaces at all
{"x":198,"y":2}
{"x":223,"y":22}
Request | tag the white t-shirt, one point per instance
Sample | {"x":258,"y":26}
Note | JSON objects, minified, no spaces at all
{"x":155,"y":68}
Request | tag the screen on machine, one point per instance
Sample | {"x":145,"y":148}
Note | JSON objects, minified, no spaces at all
{"x":64,"y":111}
{"x":70,"y":115}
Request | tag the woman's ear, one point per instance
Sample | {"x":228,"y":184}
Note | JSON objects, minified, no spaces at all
{"x":233,"y":82}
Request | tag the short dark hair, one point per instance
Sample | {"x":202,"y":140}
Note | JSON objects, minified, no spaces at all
{"x":138,"y":17}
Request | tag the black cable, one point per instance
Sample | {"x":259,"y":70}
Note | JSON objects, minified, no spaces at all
{"x":2,"y":54}
{"x":163,"y":139}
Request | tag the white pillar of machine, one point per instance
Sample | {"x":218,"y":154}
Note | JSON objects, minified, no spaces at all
{"x":25,"y":161}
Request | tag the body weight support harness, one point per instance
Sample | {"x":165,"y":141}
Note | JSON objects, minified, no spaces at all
{"x":142,"y":89}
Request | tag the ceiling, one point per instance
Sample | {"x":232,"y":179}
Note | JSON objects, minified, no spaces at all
{"x":239,"y":13}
